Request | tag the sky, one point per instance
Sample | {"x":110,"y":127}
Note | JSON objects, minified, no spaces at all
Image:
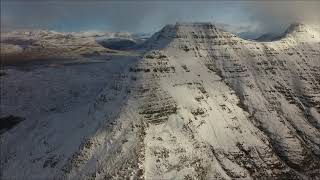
{"x":151,"y":15}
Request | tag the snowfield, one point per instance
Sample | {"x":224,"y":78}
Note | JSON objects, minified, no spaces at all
{"x":200,"y":103}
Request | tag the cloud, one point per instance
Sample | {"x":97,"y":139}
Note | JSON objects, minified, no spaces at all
{"x":113,"y":15}
{"x":139,"y":16}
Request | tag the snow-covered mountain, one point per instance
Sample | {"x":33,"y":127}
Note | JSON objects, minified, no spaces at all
{"x":24,"y":46}
{"x":201,"y":103}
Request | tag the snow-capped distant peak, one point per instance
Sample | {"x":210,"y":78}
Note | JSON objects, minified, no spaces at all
{"x":302,"y":32}
{"x":298,"y":27}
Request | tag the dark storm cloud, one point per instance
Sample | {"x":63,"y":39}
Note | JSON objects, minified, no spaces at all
{"x":75,"y":15}
{"x":114,"y":15}
{"x":70,"y":14}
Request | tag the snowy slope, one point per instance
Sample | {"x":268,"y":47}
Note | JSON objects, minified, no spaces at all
{"x":201,"y":103}
{"x":257,"y":103}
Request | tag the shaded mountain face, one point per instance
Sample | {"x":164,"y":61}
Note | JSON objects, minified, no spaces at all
{"x":268,"y":37}
{"x":117,"y":43}
{"x":201,"y":103}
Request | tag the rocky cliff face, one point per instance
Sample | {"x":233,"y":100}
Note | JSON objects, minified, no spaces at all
{"x":200,"y":104}
{"x":254,"y":106}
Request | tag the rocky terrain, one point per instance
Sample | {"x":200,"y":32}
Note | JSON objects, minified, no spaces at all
{"x":200,"y":103}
